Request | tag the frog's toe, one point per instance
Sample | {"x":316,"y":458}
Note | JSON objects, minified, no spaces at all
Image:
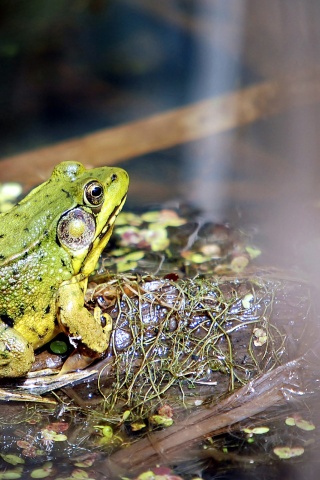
{"x":16,"y":354}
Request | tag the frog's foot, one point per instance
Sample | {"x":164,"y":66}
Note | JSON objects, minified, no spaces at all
{"x":16,"y":354}
{"x":91,"y":330}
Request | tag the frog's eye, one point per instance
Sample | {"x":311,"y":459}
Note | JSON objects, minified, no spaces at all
{"x":93,"y":194}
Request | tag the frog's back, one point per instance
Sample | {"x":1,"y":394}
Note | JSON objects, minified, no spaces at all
{"x":30,"y":222}
{"x":32,"y":265}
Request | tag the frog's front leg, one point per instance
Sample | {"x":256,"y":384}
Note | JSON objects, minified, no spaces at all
{"x":16,"y":354}
{"x":92,"y":330}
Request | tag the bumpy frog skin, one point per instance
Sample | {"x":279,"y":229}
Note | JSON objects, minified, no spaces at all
{"x":49,"y":243}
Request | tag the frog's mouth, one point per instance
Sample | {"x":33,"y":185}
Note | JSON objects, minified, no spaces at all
{"x":100,"y":241}
{"x":111,"y":220}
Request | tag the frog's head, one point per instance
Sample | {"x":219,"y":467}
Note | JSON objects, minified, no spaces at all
{"x":96,"y":196}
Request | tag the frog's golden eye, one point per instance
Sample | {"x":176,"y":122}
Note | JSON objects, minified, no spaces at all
{"x":93,"y":194}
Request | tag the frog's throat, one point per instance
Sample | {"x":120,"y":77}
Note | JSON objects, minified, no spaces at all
{"x":101,"y":241}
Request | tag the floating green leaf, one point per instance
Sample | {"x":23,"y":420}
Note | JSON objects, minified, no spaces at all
{"x":157,"y":237}
{"x":239,"y":263}
{"x":195,"y":257}
{"x":290,"y":421}
{"x":125,"y":266}
{"x":51,"y":435}
{"x":129,"y":218}
{"x":80,"y":474}
{"x":126,"y":415}
{"x":12,"y":459}
{"x":58,"y":347}
{"x":260,"y":337}
{"x":11,"y":474}
{"x":136,"y":426}
{"x":288,"y":452}
{"x":305,"y":425}
{"x":138,"y":255}
{"x":43,"y":472}
{"x":300,"y":423}
{"x":167,"y":218}
{"x":149,"y":475}
{"x":161,"y":420}
{"x":247,"y":300}
{"x":257,"y":430}
{"x":253,"y":252}
{"x":106,"y":431}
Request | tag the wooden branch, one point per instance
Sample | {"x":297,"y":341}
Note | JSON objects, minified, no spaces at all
{"x":167,"y":129}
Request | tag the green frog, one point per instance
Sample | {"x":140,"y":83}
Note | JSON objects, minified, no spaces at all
{"x":50,"y":243}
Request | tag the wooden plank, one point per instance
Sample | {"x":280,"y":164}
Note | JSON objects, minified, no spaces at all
{"x":164,"y":130}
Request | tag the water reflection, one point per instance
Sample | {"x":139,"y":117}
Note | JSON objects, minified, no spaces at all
{"x":217,"y":69}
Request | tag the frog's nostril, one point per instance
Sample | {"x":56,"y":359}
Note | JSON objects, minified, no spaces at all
{"x":114,"y":177}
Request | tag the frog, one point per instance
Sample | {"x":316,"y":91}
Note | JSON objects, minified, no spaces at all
{"x":50,"y":243}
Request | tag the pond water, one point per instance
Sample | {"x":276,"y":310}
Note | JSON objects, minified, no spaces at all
{"x":70,"y":68}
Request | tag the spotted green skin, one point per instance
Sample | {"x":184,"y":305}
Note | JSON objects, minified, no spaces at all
{"x":43,"y":279}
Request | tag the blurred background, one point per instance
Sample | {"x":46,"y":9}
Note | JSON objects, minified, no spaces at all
{"x":235,"y":86}
{"x":211,"y":103}
{"x":74,"y":67}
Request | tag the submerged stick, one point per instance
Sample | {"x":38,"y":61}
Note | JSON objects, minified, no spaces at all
{"x":166,"y":446}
